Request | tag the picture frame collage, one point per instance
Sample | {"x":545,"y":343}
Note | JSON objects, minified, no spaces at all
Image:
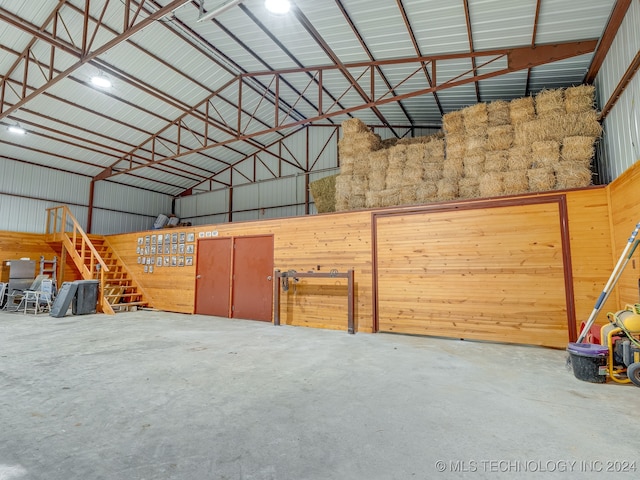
{"x":159,"y":250}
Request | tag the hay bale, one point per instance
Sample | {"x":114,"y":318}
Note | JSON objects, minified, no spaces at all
{"x":346,"y":168}
{"x":498,"y":113}
{"x":522,"y":110}
{"x":541,"y":179}
{"x":434,"y":150}
{"x":515,"y":181}
{"x":455,"y":145}
{"x":415,"y":153}
{"x":379,"y":160}
{"x":357,"y":201}
{"x":475,"y":117}
{"x":432,"y":171}
{"x":323,"y":191}
{"x":398,"y":156}
{"x":578,"y":149}
{"x":550,"y":102}
{"x":359,"y":185}
{"x":373,"y":199}
{"x":453,"y":122}
{"x":378,"y":180}
{"x":526,"y":133}
{"x":408,"y":195}
{"x":469,"y":187}
{"x":500,"y":137}
{"x":361,"y":165}
{"x":584,"y":124}
{"x":545,"y":154}
{"x":519,"y":158}
{"x":476,"y":142}
{"x":395,"y":177}
{"x":413,"y":172}
{"x":427,"y":192}
{"x":491,"y":184}
{"x":447,"y":189}
{"x":474,"y":165}
{"x":572,"y":175}
{"x":579,"y":99}
{"x":354,"y":125}
{"x":343,"y":185}
{"x":453,"y":167}
{"x":390,"y":197}
{"x":496,"y":161}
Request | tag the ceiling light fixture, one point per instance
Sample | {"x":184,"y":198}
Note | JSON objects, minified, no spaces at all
{"x":101,"y":81}
{"x":17,"y":129}
{"x":279,"y":7}
{"x":217,"y":11}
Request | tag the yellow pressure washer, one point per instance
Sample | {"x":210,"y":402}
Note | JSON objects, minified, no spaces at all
{"x":622,"y":337}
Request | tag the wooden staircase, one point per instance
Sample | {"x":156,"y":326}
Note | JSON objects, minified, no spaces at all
{"x":95,"y":259}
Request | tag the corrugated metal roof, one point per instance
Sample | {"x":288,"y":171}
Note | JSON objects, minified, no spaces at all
{"x":178,"y":70}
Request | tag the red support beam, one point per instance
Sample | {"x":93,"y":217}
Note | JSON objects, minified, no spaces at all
{"x":610,"y":31}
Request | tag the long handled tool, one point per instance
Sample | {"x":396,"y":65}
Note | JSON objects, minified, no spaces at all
{"x":632,"y":244}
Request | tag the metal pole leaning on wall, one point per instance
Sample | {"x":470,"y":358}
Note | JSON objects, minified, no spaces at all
{"x":349,"y":275}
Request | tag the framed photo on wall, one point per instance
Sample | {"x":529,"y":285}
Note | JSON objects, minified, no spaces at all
{"x":190,"y":249}
{"x":191,"y":237}
{"x":188,"y":261}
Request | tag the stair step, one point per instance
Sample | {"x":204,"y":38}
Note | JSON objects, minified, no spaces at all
{"x":120,"y":295}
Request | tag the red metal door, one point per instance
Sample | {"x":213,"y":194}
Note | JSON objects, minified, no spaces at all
{"x":252,"y":278}
{"x":213,"y":277}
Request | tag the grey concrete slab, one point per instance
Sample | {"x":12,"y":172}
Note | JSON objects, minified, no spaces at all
{"x":152,"y":395}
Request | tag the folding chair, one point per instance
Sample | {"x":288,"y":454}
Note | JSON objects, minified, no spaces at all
{"x":16,"y":299}
{"x":3,"y":294}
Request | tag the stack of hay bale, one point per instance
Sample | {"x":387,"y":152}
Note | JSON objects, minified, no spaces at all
{"x":432,"y":169}
{"x":499,"y":141}
{"x":354,"y":149}
{"x":530,"y":144}
{"x":582,"y":131}
{"x":476,"y":123}
{"x":453,"y":166}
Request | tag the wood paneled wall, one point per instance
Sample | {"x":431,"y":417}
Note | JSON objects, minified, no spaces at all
{"x":335,"y":241}
{"x":15,"y":245}
{"x":343,"y":241}
{"x":491,"y":272}
{"x":624,"y":205}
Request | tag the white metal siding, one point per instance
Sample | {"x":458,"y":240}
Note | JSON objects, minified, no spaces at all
{"x":620,"y":146}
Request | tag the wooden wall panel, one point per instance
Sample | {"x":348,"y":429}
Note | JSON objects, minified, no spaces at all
{"x":591,"y":248}
{"x":493,"y":273}
{"x":15,"y":245}
{"x":336,"y":241}
{"x":624,"y":203}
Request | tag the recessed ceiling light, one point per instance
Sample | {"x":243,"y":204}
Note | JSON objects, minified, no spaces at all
{"x":101,"y":81}
{"x":17,"y":129}
{"x":278,"y":6}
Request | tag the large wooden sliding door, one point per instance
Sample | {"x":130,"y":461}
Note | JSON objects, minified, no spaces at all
{"x":494,"y":271}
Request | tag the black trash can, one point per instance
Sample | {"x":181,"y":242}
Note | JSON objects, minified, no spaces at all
{"x":86,"y":298}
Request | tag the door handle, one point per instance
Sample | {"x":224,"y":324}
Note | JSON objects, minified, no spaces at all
{"x":269,"y":277}
{"x":198,"y":277}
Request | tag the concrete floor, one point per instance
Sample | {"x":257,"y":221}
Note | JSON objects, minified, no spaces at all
{"x":150,"y":395}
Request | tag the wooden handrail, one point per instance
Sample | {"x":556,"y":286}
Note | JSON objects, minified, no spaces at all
{"x":57,"y":218}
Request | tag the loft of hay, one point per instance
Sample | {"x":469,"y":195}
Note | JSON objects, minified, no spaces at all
{"x":531,"y":144}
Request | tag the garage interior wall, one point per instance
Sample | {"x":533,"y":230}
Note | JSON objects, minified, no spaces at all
{"x":26,"y":191}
